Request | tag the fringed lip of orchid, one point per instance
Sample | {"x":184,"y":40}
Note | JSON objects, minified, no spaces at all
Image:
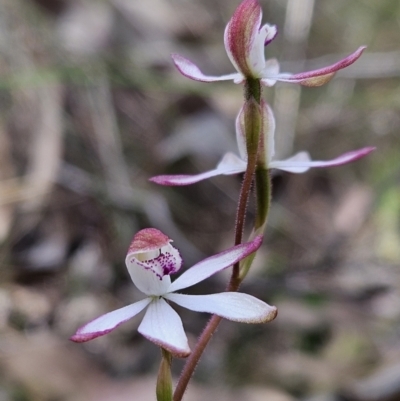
{"x":161,"y":324}
{"x":245,"y":40}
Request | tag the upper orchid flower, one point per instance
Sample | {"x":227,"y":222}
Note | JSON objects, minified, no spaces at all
{"x":245,"y":40}
{"x":151,"y":259}
{"x":233,"y":164}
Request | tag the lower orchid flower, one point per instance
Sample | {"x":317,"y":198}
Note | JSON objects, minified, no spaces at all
{"x":151,"y":259}
{"x":233,"y":164}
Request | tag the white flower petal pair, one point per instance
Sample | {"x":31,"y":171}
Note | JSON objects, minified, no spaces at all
{"x":233,"y":164}
{"x":150,"y":261}
{"x":245,"y":40}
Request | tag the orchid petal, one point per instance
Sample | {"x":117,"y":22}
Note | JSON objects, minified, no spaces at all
{"x":271,"y":32}
{"x":257,"y":52}
{"x":234,"y":306}
{"x":214,"y":264}
{"x":229,"y":165}
{"x":108,"y":322}
{"x":271,"y":69}
{"x":163,"y":326}
{"x":240,"y":134}
{"x":320,"y":76}
{"x":268,"y":131}
{"x":240,"y":36}
{"x":190,"y":70}
{"x":301,"y":162}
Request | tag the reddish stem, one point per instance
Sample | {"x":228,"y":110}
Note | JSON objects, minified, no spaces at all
{"x":252,"y":90}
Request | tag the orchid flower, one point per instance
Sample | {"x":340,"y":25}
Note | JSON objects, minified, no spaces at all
{"x":245,"y":40}
{"x":233,"y":164}
{"x":151,"y":259}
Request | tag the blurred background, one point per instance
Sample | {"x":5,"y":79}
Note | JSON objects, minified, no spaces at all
{"x":91,"y":107}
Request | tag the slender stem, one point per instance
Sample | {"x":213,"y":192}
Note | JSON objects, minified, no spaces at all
{"x":233,"y":285}
{"x":252,"y":93}
{"x":253,"y":128}
{"x":194,"y":357}
{"x":242,"y":207}
{"x":201,"y":344}
{"x":263,"y":187}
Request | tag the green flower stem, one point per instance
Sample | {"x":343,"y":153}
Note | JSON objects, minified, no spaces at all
{"x":164,"y":379}
{"x":253,"y":121}
{"x":253,"y":130}
{"x":263,"y":188}
{"x":252,"y":118}
{"x":252,"y":89}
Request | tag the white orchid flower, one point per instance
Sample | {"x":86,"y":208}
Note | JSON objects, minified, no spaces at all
{"x":233,"y":164}
{"x":151,"y":259}
{"x":245,"y":40}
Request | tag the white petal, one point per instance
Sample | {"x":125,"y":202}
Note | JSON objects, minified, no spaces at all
{"x":108,"y":322}
{"x":269,"y":130}
{"x":145,"y":279}
{"x":320,"y":76}
{"x":234,"y":306}
{"x":240,"y":134}
{"x":270,"y":72}
{"x":163,"y":326}
{"x":271,"y":33}
{"x":214,"y":264}
{"x":190,"y":70}
{"x":301,"y":162}
{"x":230,"y":164}
{"x":257,"y":51}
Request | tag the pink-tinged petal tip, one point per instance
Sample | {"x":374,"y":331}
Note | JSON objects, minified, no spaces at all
{"x":229,"y":165}
{"x":108,"y":322}
{"x":82,"y":338}
{"x":301,"y":162}
{"x":322,"y":75}
{"x":345,"y":158}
